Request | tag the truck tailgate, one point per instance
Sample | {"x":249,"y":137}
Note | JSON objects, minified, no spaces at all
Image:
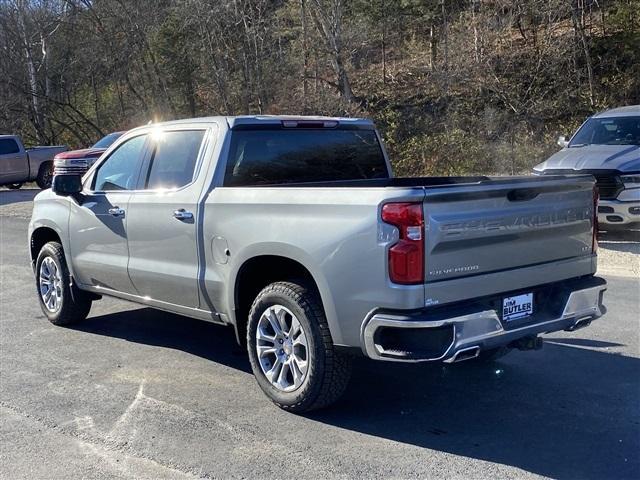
{"x":504,"y":225}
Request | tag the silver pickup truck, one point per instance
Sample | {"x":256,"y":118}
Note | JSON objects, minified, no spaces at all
{"x":19,"y":165}
{"x":294,"y":232}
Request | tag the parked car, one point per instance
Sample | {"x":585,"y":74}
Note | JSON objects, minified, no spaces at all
{"x":606,"y":146}
{"x":294,"y":232}
{"x":19,"y":165}
{"x":79,"y":161}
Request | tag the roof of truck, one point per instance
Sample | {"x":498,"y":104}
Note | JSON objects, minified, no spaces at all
{"x":628,"y":111}
{"x":234,"y":121}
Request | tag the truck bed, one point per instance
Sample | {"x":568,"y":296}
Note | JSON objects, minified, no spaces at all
{"x":405,"y":182}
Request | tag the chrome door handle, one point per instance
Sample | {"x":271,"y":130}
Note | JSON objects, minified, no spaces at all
{"x":116,"y":212}
{"x":182,"y":214}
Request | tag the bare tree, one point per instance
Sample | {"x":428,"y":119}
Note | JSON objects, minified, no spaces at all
{"x":328,"y":17}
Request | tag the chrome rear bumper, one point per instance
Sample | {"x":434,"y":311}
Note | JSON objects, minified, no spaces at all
{"x":474,"y":332}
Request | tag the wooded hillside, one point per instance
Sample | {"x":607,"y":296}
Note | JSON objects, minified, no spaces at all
{"x":456,"y":86}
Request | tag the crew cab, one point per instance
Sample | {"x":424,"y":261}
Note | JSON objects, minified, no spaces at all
{"x":607,"y":146}
{"x":293,"y":231}
{"x":19,"y":165}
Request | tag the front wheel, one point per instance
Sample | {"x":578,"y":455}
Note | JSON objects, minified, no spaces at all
{"x":62,"y":303}
{"x":290,"y":349}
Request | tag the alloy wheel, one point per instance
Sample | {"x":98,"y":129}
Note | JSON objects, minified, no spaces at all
{"x":281,"y":345}
{"x":50,"y":281}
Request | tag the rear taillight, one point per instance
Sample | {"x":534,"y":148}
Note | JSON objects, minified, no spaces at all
{"x":406,"y":257}
{"x":594,"y":239}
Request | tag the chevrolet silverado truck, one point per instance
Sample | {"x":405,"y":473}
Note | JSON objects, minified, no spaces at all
{"x":607,"y":146}
{"x":19,"y":165}
{"x":293,"y":231}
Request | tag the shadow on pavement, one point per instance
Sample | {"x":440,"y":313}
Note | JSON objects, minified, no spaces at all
{"x":8,"y":197}
{"x":565,"y":412}
{"x":582,"y":342}
{"x":153,"y":327}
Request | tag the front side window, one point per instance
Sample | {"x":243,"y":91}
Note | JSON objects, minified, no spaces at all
{"x":608,"y":131}
{"x":8,"y":146}
{"x":174,"y":159}
{"x":120,"y":170}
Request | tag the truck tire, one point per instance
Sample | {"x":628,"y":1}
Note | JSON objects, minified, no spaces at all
{"x":62,"y":303}
{"x":14,"y":186}
{"x":45,"y":175}
{"x":291,"y":351}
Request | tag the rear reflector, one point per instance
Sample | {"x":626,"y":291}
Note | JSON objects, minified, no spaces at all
{"x":406,"y":257}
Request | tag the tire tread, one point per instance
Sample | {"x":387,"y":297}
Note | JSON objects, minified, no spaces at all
{"x":336,"y":367}
{"x":75,"y":304}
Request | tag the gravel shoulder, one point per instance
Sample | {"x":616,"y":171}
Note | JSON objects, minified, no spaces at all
{"x":619,"y":253}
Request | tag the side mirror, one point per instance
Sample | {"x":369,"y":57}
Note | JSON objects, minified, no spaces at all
{"x":562,"y":141}
{"x":66,"y":185}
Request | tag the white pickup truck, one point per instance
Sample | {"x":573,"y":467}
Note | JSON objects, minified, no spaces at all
{"x":19,"y":165}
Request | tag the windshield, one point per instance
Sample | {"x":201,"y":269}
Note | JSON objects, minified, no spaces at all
{"x":273,"y":156}
{"x":106,"y":142}
{"x":608,"y":131}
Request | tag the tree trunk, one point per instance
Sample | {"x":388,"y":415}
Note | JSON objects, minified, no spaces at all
{"x":34,"y":97}
{"x":305,"y":54}
{"x":445,"y":35}
{"x":433,"y":48}
{"x":384,"y":42}
{"x":329,"y":27}
{"x":578,"y":25}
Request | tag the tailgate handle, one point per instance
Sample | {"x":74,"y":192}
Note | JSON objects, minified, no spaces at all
{"x":522,"y":194}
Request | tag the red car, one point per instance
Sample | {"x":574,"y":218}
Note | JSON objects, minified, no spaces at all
{"x":79,"y":161}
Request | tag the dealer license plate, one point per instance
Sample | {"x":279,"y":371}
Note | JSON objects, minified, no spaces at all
{"x":519,"y":306}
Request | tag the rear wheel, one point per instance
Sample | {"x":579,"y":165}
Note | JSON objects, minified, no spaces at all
{"x":62,"y":303}
{"x":45,"y":175}
{"x":14,"y":186}
{"x":290,"y":349}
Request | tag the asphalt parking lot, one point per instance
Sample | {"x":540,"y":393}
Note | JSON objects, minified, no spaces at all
{"x":137,"y":393}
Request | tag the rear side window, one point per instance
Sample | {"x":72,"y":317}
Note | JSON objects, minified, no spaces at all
{"x":8,"y":145}
{"x":276,"y":156}
{"x":174,"y":159}
{"x":120,"y":170}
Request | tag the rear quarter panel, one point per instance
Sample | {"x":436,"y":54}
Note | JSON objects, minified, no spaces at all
{"x":333,"y":232}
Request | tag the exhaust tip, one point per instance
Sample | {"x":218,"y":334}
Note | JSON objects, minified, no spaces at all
{"x":582,"y":323}
{"x":465,"y":354}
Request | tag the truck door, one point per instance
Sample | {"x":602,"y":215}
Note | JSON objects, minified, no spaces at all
{"x":98,"y":223}
{"x":14,"y":163}
{"x":163,"y":218}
